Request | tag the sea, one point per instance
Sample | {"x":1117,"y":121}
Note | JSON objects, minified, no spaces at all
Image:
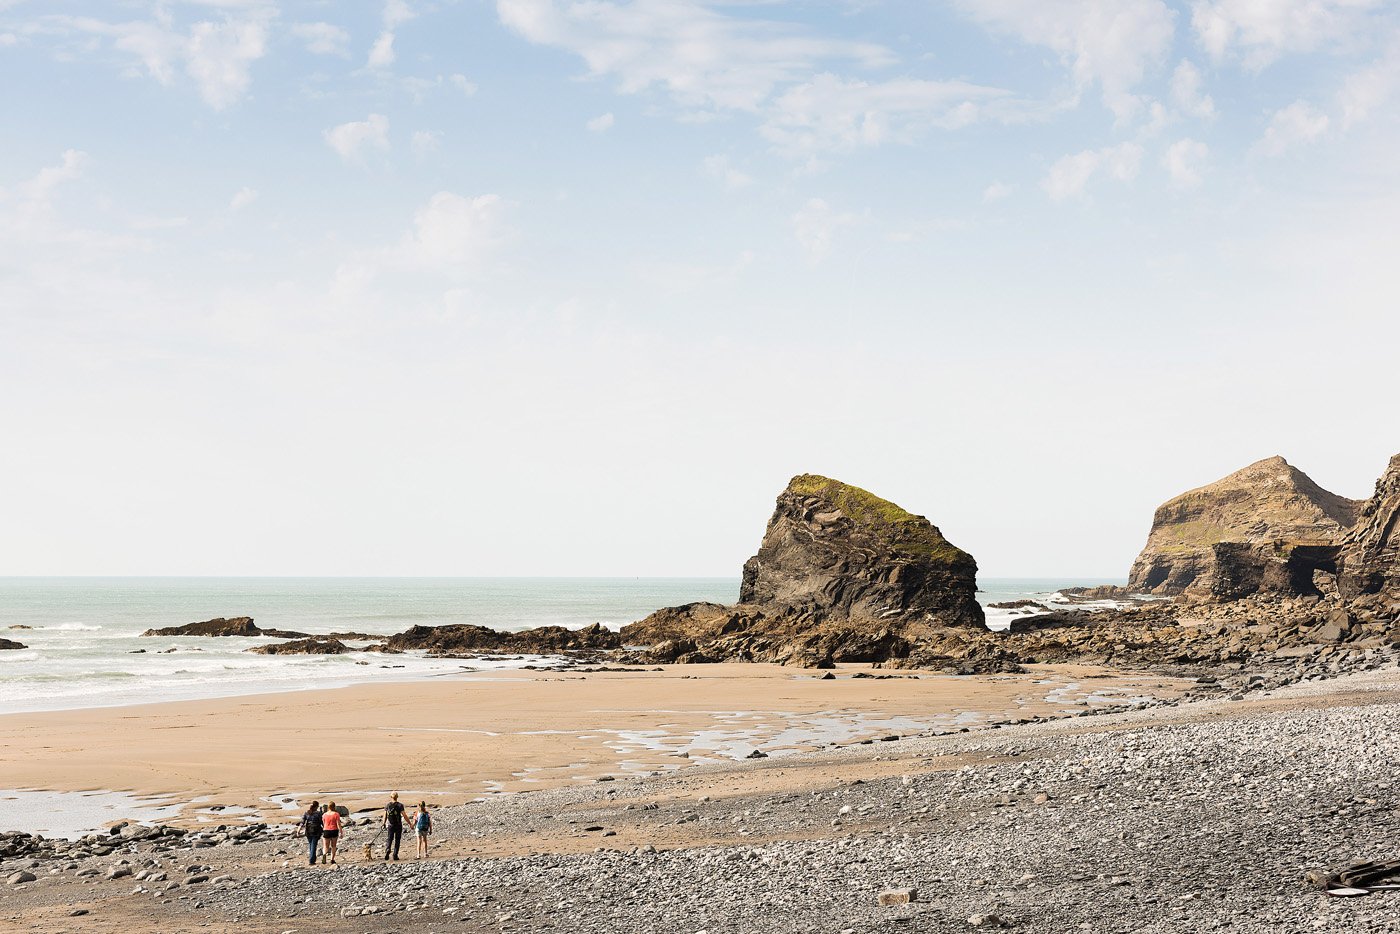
{"x":85,"y":648}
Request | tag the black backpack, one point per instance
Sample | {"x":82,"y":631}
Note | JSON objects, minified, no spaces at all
{"x":311,"y":824}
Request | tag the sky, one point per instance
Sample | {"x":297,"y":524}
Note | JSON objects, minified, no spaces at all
{"x":574,"y":287}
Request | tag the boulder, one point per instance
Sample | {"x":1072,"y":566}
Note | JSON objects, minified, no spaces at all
{"x":1266,"y":528}
{"x":11,"y":644}
{"x":1370,"y":554}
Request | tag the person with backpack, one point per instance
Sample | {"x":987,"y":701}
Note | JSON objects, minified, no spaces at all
{"x":330,"y":831}
{"x":423,"y":826}
{"x":310,"y":828}
{"x":393,"y":826}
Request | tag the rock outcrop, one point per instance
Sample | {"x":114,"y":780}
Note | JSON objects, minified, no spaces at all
{"x":1370,"y":554}
{"x":11,"y":644}
{"x":835,"y":551}
{"x":1267,"y":528}
{"x":236,"y":626}
{"x":303,"y":647}
{"x":466,"y":639}
{"x":841,"y":576}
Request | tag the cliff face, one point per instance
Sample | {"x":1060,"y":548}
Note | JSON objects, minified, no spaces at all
{"x":1370,"y":554}
{"x":1266,"y":527}
{"x":841,"y":576}
{"x":833,"y":550}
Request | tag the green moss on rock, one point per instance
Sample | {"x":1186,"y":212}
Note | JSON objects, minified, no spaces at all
{"x":907,"y":533}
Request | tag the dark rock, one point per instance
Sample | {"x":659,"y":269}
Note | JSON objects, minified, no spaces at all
{"x":313,"y":646}
{"x":841,"y":576}
{"x":461,"y":638}
{"x":1370,"y":554}
{"x":836,"y":551}
{"x":236,"y":626}
{"x":11,"y":644}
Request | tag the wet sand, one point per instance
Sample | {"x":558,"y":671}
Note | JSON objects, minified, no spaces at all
{"x":453,"y":740}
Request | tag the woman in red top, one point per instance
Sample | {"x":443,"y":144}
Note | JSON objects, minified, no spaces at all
{"x":330,"y":830}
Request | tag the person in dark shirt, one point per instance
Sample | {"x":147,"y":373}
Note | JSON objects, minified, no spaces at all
{"x":393,"y":826}
{"x":310,"y":828}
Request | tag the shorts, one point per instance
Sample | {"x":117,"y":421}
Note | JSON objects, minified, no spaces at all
{"x":330,"y":834}
{"x":425,"y":833}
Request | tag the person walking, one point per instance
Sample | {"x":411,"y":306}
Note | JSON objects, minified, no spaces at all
{"x":310,"y":828}
{"x":330,"y":831}
{"x":423,"y":826}
{"x":393,"y":826}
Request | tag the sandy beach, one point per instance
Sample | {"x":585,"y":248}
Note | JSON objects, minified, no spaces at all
{"x":454,"y":739}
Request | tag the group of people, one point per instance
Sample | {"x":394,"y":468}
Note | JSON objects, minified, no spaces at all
{"x":322,"y":828}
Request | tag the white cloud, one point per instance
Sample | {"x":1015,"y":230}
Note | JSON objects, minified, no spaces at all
{"x":425,"y":142}
{"x":1108,"y":42}
{"x":832,"y":113}
{"x":1188,"y":94}
{"x":601,"y":123}
{"x":218,"y":56}
{"x":381,"y":54}
{"x":40,"y":188}
{"x":997,"y":191}
{"x":815,"y":227}
{"x":1184,"y":161}
{"x":719,"y":168}
{"x":350,"y":139}
{"x":453,"y":235}
{"x":323,"y":38}
{"x":461,"y":83}
{"x":242,"y":198}
{"x":1369,"y":89}
{"x":396,"y":13}
{"x":8,"y":39}
{"x":1294,"y":125}
{"x":1260,"y":31}
{"x":1069,"y":176}
{"x":698,"y":55}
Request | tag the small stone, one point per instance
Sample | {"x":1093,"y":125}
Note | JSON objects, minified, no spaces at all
{"x":21,"y":877}
{"x":898,"y":896}
{"x":987,"y":921}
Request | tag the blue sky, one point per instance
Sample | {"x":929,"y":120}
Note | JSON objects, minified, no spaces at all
{"x":540,"y":286}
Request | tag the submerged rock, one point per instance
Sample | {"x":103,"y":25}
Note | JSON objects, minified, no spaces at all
{"x":1267,"y":527}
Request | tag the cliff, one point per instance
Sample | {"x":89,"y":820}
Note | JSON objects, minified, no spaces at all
{"x":1370,"y":554}
{"x":1266,"y":527}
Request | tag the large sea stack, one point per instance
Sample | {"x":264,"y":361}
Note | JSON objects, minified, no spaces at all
{"x":1370,"y":554}
{"x":833,"y":550}
{"x":1266,"y":528}
{"x":841,"y":576}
